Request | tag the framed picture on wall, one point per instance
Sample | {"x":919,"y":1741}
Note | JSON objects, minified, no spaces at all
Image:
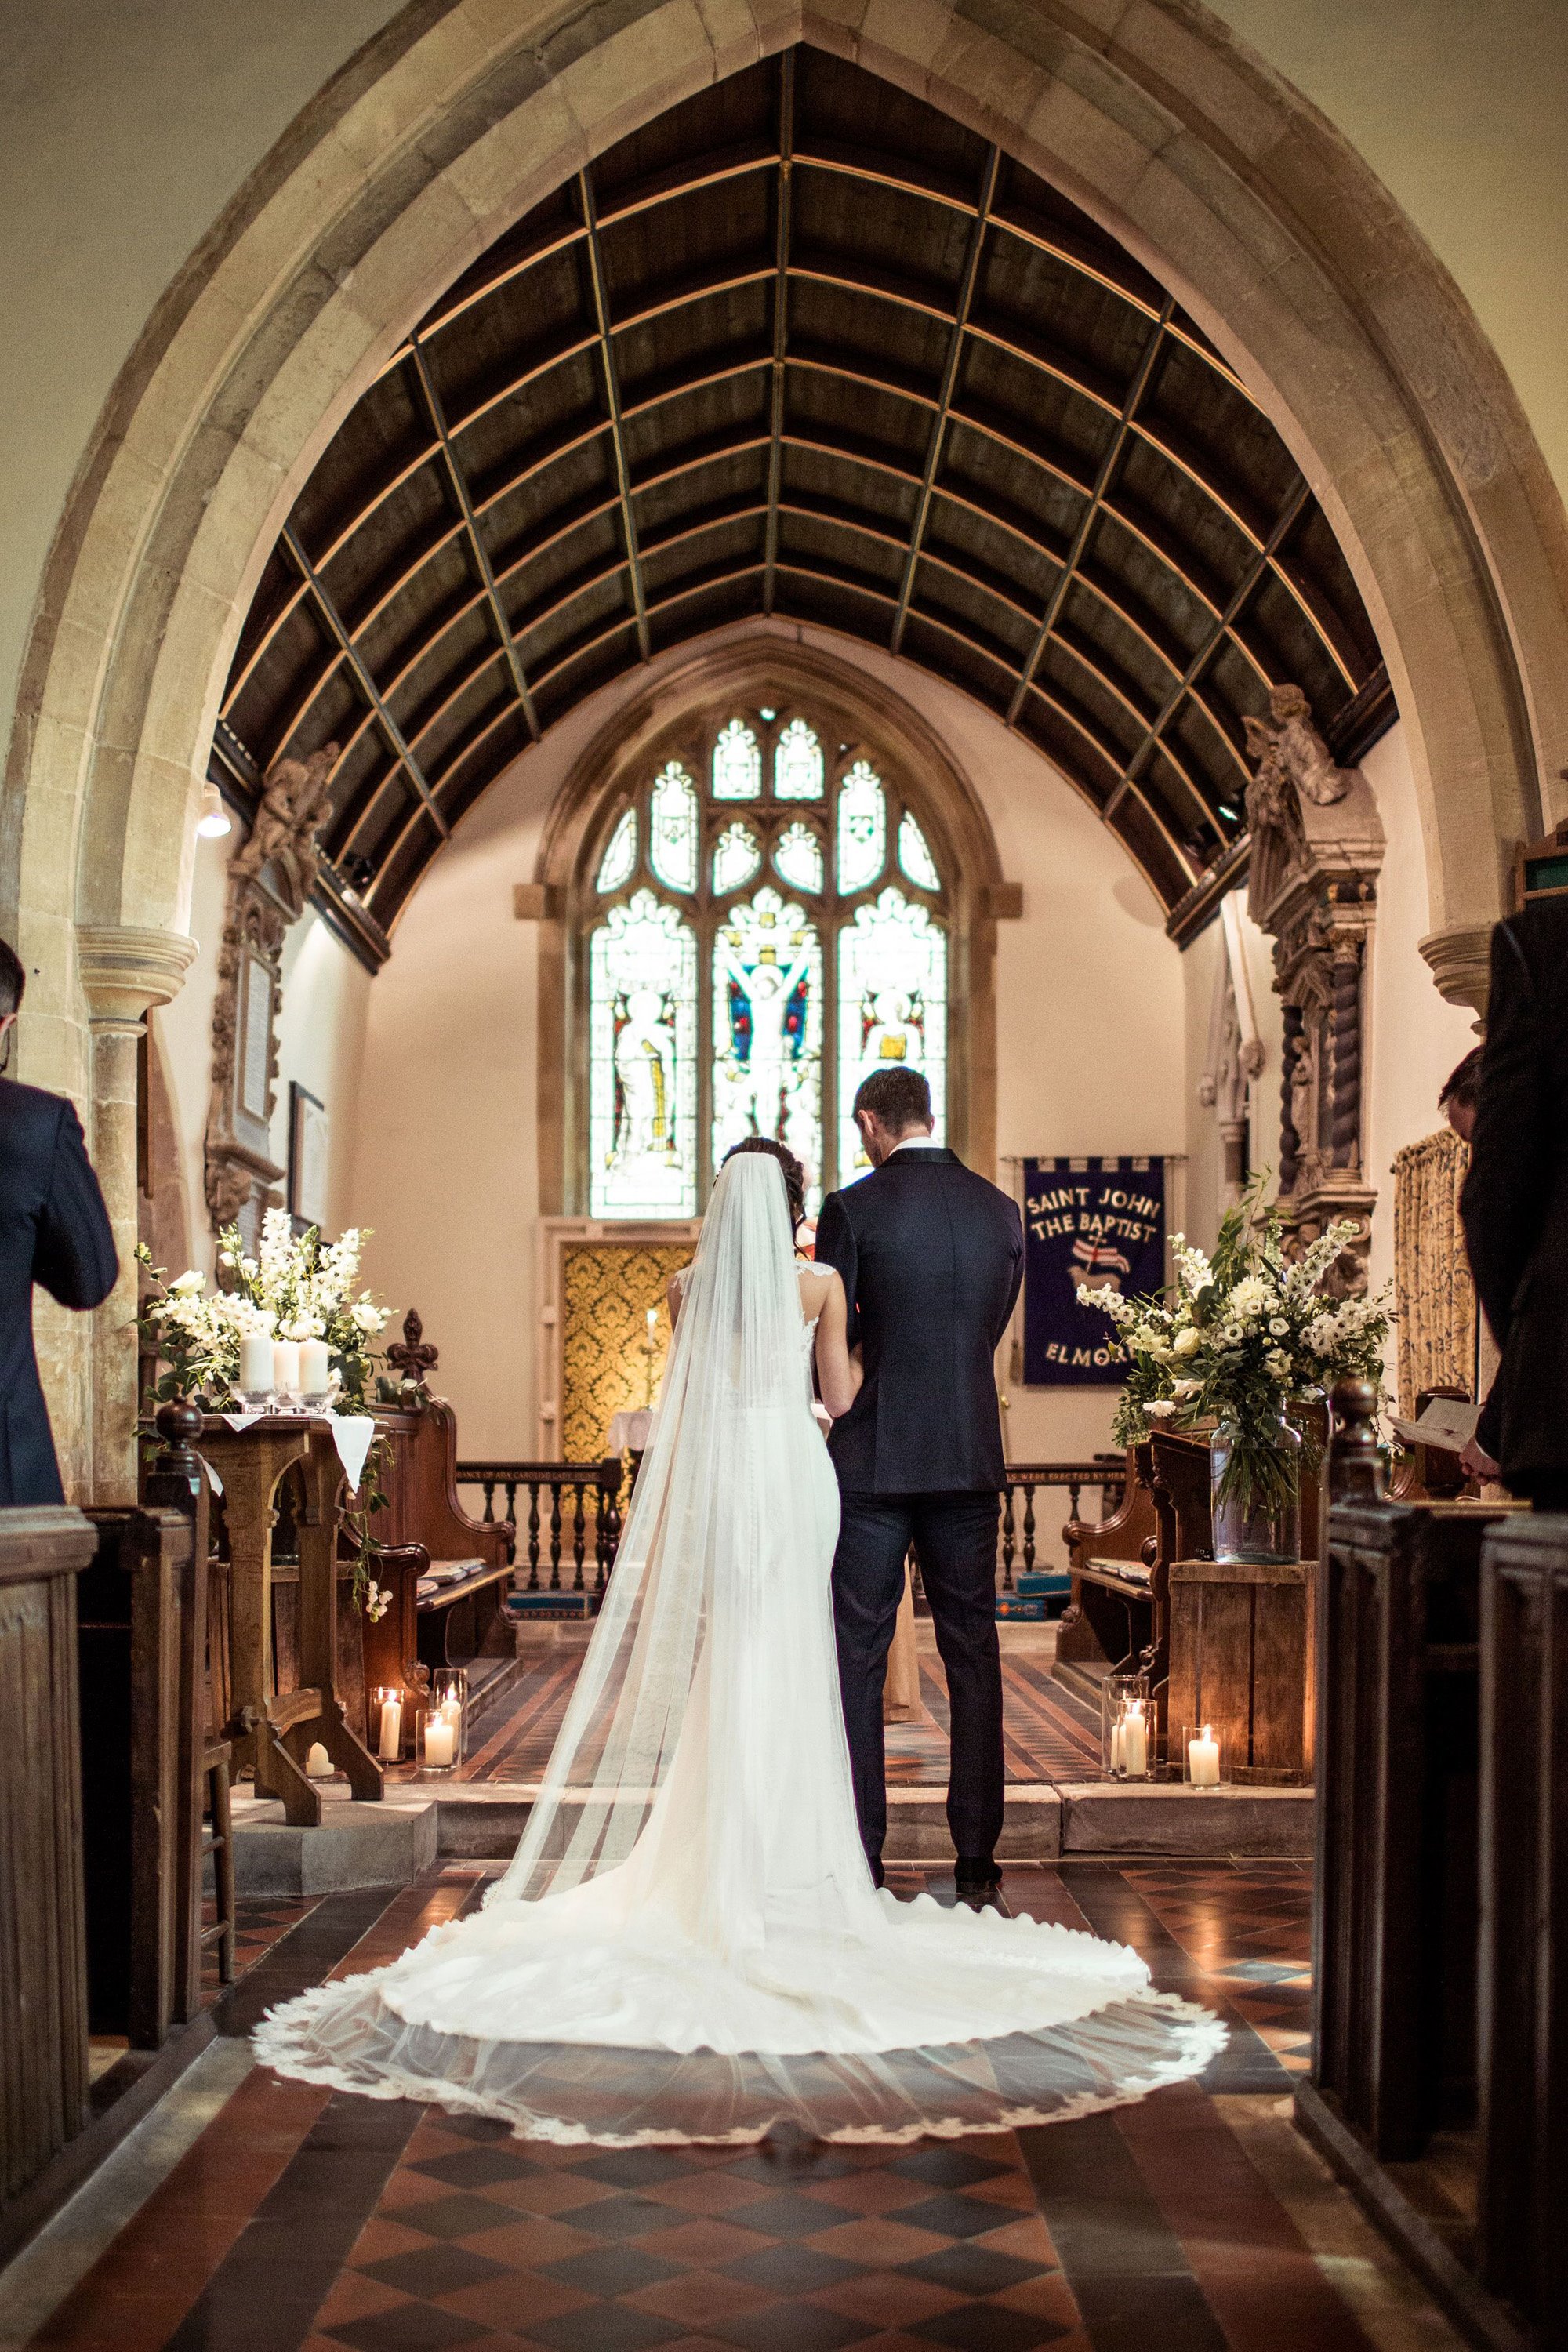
{"x":307,"y":1138}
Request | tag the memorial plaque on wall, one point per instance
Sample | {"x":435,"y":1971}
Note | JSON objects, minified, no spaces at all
{"x":1095,"y":1222}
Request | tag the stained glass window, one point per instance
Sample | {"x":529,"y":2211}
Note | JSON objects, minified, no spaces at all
{"x":642,"y":1063}
{"x":862,"y":828}
{"x":708,"y":1013}
{"x":620,"y":857}
{"x":767,"y":1030}
{"x":914,"y":855}
{"x":737,"y":857}
{"x":797,"y":853}
{"x":737,"y":763}
{"x":673,"y":828}
{"x":797,"y":763}
{"x":892,"y":1010}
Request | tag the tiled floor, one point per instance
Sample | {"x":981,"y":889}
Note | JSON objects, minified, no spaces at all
{"x":304,"y":2222}
{"x":1047,"y":1738}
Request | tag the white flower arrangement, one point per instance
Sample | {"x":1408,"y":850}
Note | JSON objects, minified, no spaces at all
{"x":1240,"y":1336}
{"x":296,"y":1287}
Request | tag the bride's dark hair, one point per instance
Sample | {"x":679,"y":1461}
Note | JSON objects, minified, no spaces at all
{"x":794,"y":1173}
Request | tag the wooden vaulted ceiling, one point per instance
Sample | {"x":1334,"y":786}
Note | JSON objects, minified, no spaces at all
{"x":803,"y":346}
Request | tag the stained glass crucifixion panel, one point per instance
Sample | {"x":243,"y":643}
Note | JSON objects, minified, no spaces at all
{"x":767,"y":923}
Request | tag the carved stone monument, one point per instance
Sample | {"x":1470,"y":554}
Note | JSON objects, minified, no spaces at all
{"x":1317,"y":847}
{"x":270,"y":878}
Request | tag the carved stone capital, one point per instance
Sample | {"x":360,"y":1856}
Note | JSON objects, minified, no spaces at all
{"x":1460,"y":963}
{"x":126,"y":968}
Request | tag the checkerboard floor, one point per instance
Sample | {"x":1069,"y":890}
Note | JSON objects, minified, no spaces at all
{"x":307,"y":2221}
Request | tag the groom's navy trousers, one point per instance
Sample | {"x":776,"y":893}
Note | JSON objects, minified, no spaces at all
{"x":932,"y":1257}
{"x":954,"y":1539}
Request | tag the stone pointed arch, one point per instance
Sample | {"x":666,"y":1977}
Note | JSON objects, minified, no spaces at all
{"x":1153,"y":117}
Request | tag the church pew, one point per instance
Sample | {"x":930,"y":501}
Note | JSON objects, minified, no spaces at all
{"x":43,"y":1978}
{"x":1438,"y":1960}
{"x":1523,"y":1958}
{"x":1109,"y":1615}
{"x":143,"y":1726}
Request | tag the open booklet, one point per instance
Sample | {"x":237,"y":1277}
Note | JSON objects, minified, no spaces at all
{"x":1447,"y":1423}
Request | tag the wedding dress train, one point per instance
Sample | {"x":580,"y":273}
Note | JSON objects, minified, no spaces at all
{"x":687,"y":1945}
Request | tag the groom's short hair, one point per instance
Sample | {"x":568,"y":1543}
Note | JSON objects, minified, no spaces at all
{"x":898,"y":1097}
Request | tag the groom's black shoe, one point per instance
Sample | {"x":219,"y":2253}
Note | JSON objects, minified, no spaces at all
{"x":979,"y":1882}
{"x":874,"y":1864}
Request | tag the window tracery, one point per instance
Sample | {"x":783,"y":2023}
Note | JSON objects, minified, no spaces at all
{"x":745,"y":971}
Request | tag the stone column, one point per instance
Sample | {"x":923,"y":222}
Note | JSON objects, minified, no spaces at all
{"x":124,"y":971}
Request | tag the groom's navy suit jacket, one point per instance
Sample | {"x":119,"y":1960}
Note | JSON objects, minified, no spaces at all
{"x":54,"y":1230}
{"x":932,"y":1258}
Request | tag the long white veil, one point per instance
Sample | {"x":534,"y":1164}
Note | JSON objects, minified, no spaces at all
{"x":713,"y":1500}
{"x":709,"y":1959}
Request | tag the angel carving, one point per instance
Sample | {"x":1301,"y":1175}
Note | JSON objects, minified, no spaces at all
{"x":296,"y":796}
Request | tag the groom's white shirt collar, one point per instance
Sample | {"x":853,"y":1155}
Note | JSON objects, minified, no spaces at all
{"x":914,"y":1143}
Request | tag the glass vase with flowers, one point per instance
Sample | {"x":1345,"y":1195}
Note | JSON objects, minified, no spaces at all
{"x":1242,"y":1341}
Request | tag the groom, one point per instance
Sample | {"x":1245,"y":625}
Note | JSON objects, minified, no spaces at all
{"x":932,"y":1257}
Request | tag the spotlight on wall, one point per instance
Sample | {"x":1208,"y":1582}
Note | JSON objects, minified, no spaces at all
{"x":214,"y":820}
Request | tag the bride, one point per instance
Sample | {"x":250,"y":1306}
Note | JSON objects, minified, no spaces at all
{"x":687,"y":1945}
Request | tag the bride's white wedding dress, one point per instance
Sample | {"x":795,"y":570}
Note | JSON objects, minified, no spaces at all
{"x":687,"y":1945}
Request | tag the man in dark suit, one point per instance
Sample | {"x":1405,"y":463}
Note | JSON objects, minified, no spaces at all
{"x":932,"y":1257}
{"x":54,"y":1229}
{"x":1515,"y":1201}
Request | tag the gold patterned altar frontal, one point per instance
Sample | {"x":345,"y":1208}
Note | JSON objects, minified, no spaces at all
{"x":607,"y":1289}
{"x":1432,"y":1285}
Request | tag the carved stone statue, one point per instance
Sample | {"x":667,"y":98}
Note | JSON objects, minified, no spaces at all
{"x":295,"y":797}
{"x":270,"y":877}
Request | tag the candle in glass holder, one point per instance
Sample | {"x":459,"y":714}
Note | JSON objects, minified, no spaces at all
{"x":1118,"y":1749}
{"x":286,"y":1367}
{"x":391,"y":1739}
{"x":318,"y":1763}
{"x":1135,"y":1740}
{"x":1203,"y":1760}
{"x":440,"y":1742}
{"x":315,"y":1367}
{"x":255,"y":1363}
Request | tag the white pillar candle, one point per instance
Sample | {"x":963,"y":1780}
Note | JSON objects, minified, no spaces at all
{"x":315,"y":1367}
{"x":1203,"y":1760}
{"x":390,"y":1738}
{"x":255,"y":1363}
{"x":1118,"y":1748}
{"x":318,"y":1764}
{"x":440,"y":1741}
{"x":1137,"y":1743}
{"x":286,"y":1367}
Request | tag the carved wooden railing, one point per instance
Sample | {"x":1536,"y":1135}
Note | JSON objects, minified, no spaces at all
{"x":1017,"y":1535}
{"x":570,"y":1525}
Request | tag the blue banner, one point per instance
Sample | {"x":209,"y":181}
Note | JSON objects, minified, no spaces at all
{"x":1099,"y":1222}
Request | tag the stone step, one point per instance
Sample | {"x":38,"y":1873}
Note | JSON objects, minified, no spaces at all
{"x":389,"y":1843}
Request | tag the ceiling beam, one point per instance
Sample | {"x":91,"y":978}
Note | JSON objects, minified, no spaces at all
{"x":1216,"y":636}
{"x":1103,"y":480}
{"x":476,"y":544}
{"x":781,"y":324}
{"x":288,"y":538}
{"x":969,"y":279}
{"x":612,"y":397}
